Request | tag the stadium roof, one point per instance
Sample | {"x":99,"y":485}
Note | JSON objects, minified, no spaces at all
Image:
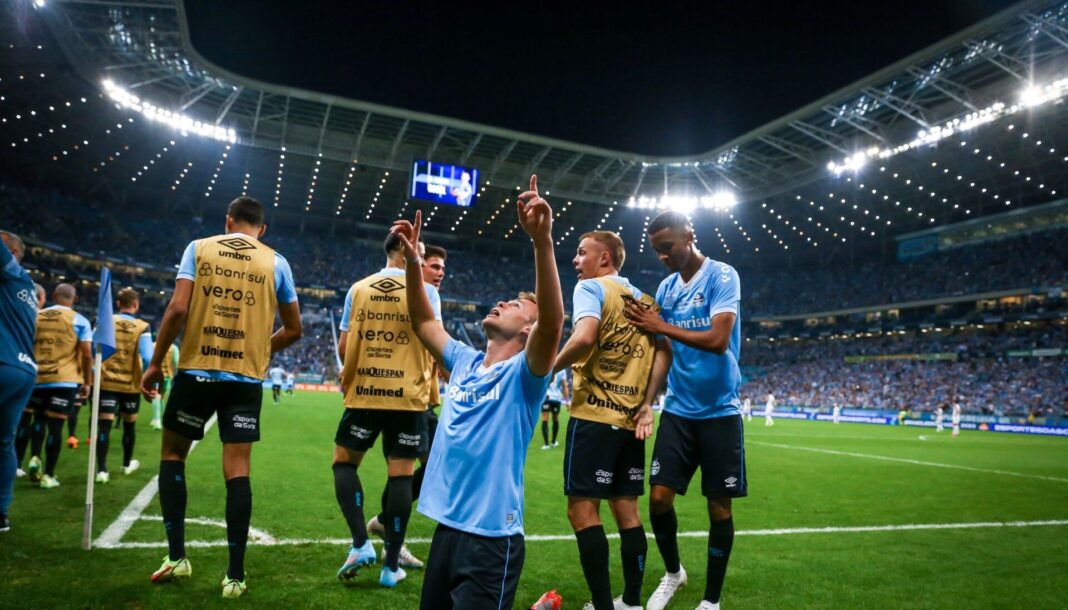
{"x":949,"y":133}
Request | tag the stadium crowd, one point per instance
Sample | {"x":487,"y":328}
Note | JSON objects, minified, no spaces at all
{"x":132,"y":235}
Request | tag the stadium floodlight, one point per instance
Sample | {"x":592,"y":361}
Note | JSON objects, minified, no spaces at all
{"x":1030,"y":97}
{"x":182,"y":122}
{"x":721,"y":201}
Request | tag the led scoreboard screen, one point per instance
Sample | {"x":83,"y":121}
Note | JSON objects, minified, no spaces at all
{"x":442,"y":183}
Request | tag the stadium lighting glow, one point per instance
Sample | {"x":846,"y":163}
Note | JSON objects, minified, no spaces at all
{"x":175,"y":120}
{"x":1030,"y":97}
{"x":719,"y":202}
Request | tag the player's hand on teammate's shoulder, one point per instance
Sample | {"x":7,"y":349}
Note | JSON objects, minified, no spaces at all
{"x":643,"y":318}
{"x":535,"y":215}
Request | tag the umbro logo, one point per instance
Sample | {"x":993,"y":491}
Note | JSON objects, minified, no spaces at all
{"x":237,"y":243}
{"x":387,"y":285}
{"x":51,"y":313}
{"x":125,"y":325}
{"x":730,"y":481}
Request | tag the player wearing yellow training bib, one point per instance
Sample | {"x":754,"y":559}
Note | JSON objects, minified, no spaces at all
{"x":386,"y":378}
{"x":611,"y":414}
{"x":227,"y":292}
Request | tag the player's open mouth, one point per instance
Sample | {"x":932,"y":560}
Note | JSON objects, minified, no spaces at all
{"x":495,"y":312}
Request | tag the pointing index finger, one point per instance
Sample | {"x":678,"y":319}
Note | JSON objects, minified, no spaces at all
{"x":534,"y":183}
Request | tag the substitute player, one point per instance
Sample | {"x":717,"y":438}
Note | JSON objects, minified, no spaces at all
{"x":63,"y":351}
{"x":611,"y":416}
{"x":18,"y":369}
{"x":559,"y":393}
{"x":120,"y":383}
{"x":170,"y":366}
{"x":769,"y":410}
{"x":476,"y":556}
{"x":433,"y":274}
{"x":701,"y":425}
{"x":278,"y":377}
{"x":225,"y":298}
{"x":387,"y":378}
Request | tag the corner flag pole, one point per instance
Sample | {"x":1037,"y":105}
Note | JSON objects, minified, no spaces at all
{"x":104,"y":344}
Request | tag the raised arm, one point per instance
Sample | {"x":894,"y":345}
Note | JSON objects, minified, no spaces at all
{"x":578,"y":344}
{"x":536,"y":218}
{"x":430,"y":332}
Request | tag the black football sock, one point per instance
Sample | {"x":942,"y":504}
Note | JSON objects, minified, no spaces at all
{"x":22,"y":437}
{"x":381,"y":516}
{"x":665,"y":530}
{"x":593,"y":555}
{"x":349,"y":493}
{"x":103,"y":438}
{"x":720,"y":541}
{"x":633,"y":549}
{"x":129,"y":437}
{"x":556,"y":429}
{"x":37,"y":434}
{"x":417,"y":482}
{"x":72,"y":422}
{"x":172,"y":500}
{"x":238,"y":515}
{"x":397,"y":513}
{"x":545,"y":432}
{"x":52,"y":447}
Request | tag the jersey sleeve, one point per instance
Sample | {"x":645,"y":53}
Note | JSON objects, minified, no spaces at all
{"x":187,"y":268}
{"x":587,"y":300}
{"x":661,"y":292}
{"x":435,"y":300}
{"x":82,"y":329}
{"x":534,"y":386}
{"x":11,"y":268}
{"x":347,"y":312}
{"x":284,"y":288}
{"x":145,"y":347}
{"x":723,"y":291}
{"x":457,"y":355}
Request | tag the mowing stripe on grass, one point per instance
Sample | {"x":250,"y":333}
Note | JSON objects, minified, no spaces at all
{"x":112,"y":536}
{"x":910,"y":461}
{"x":267,"y":540}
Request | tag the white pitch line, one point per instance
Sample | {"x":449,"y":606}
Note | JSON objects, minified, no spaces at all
{"x":911,"y":461}
{"x":694,"y":534}
{"x":112,"y":536}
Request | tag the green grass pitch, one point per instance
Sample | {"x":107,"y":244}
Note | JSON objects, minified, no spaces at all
{"x":801,"y":475}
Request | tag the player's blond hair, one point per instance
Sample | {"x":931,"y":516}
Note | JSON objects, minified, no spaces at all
{"x":613,"y":242}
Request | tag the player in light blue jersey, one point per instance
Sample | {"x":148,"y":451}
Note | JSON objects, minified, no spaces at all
{"x":701,"y":425}
{"x":488,"y":418}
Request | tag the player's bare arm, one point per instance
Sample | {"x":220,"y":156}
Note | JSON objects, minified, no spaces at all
{"x":713,"y":340}
{"x":291,"y":330}
{"x":581,"y":341}
{"x":172,"y":324}
{"x":430,"y":332}
{"x":536,"y":218}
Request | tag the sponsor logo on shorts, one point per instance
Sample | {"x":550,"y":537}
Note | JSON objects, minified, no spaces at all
{"x":636,"y":474}
{"x":411,"y":440}
{"x":244,"y":422}
{"x":655,"y":469}
{"x":360,"y":433}
{"x":236,"y":246}
{"x":603,"y":476}
{"x":189,"y":419}
{"x":374,"y":371}
{"x":730,"y":482}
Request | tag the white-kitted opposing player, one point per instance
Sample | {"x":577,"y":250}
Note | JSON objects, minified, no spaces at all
{"x":836,"y":412}
{"x":940,"y":414}
{"x":747,"y":409}
{"x":769,"y":410}
{"x":955,"y":419}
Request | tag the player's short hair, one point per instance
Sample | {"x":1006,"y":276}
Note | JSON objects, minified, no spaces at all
{"x":16,"y":241}
{"x":65,"y":291}
{"x":246,"y":210}
{"x":435,"y":252}
{"x":612,"y":241}
{"x":669,"y":220}
{"x":128,"y":297}
{"x":39,"y":289}
{"x":392,"y":243}
{"x":529,"y":296}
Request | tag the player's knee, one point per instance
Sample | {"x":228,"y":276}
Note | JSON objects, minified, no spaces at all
{"x":719,"y":509}
{"x":625,"y":511}
{"x":583,"y":514}
{"x":661,"y":500}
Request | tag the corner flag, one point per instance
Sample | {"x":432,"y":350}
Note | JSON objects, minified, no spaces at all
{"x":104,"y":334}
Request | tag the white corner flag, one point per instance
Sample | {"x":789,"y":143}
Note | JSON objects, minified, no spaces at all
{"x":104,"y":347}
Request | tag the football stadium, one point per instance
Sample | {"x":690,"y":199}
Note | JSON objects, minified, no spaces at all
{"x":423,"y":351}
